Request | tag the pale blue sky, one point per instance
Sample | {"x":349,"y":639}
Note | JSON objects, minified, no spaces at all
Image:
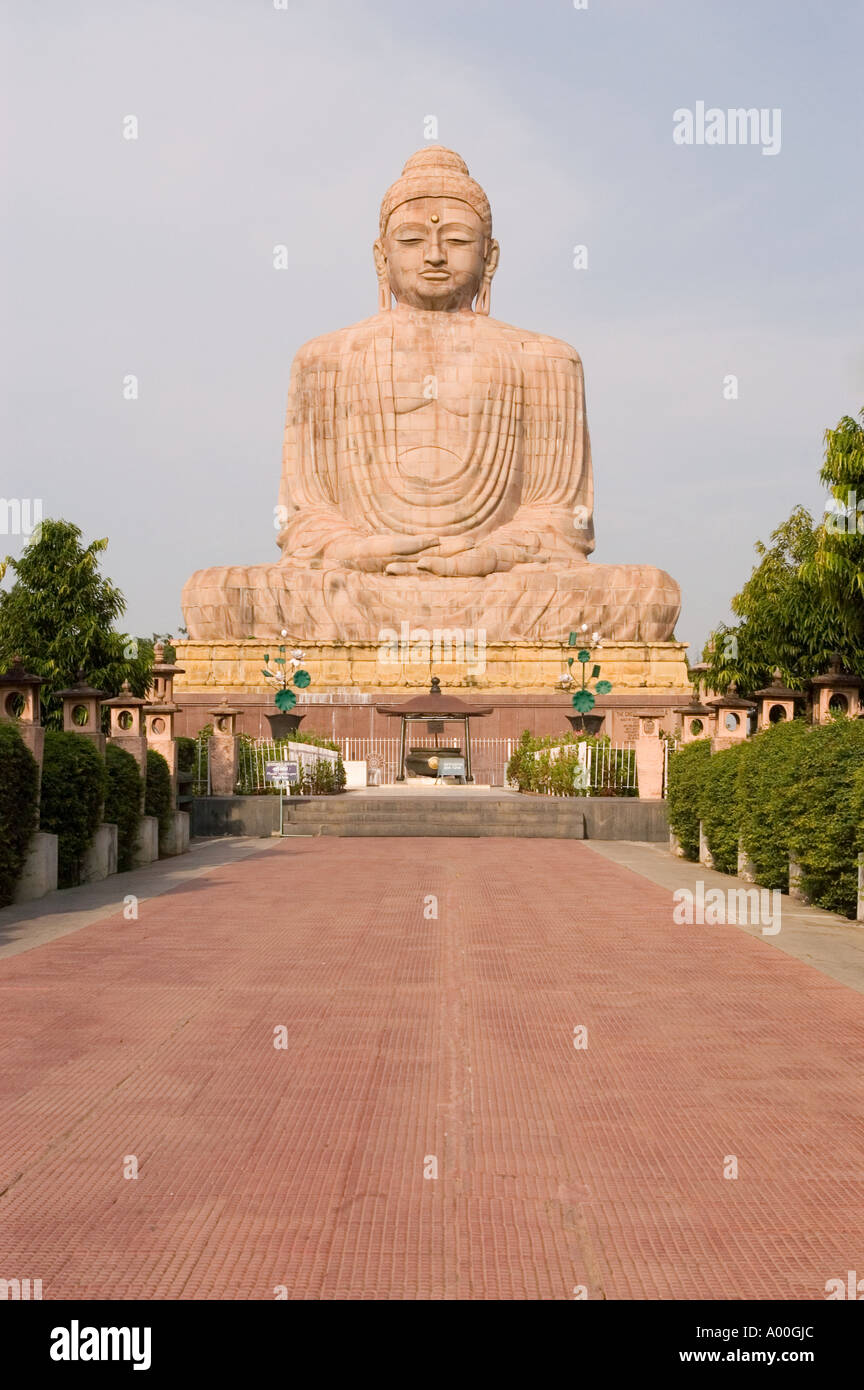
{"x":261,"y":126}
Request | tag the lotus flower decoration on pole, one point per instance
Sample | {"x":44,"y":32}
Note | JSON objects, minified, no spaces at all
{"x":584,"y":699}
{"x":288,"y":671}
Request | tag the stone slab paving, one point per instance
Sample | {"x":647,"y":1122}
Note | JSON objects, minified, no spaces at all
{"x":412,"y":1038}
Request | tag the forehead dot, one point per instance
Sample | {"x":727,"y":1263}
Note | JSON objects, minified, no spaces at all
{"x":434,"y":217}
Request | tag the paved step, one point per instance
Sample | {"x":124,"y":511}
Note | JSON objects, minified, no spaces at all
{"x":453,"y":812}
{"x":395,"y":816}
{"x":398,"y":829}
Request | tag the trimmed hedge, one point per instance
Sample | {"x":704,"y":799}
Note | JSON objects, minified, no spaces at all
{"x":123,"y":802}
{"x":719,"y":810}
{"x":767,"y":774}
{"x":74,"y":782}
{"x":688,"y":768}
{"x":19,"y":807}
{"x":792,"y":789}
{"x":824,"y":834}
{"x":158,"y":800}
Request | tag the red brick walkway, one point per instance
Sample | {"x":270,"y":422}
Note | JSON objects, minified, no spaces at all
{"x":410,"y":1037}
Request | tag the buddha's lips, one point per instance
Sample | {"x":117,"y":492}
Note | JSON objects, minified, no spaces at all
{"x":435,"y":274}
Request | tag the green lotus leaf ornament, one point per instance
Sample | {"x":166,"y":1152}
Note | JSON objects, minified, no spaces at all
{"x":584,"y":701}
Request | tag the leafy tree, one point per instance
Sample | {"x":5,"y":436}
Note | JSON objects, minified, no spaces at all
{"x":786,"y":619}
{"x":838,"y":562}
{"x":59,"y":617}
{"x":805,"y":598}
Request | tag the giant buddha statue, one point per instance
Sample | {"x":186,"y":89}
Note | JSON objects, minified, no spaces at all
{"x":436,"y":466}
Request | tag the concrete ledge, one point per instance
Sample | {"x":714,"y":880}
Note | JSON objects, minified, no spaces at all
{"x":625,"y":818}
{"x":147,"y":848}
{"x":457,"y":812}
{"x":39,"y":875}
{"x":100,"y":861}
{"x":177,"y":839}
{"x":235,"y":815}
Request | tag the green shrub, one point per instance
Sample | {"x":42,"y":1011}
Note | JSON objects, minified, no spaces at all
{"x":123,"y":802}
{"x":767,"y":773}
{"x":556,"y":775}
{"x":158,"y":800}
{"x":687,"y":773}
{"x":521,"y":761}
{"x":324,"y":779}
{"x":187,"y":753}
{"x":19,"y":807}
{"x":825,"y":833}
{"x":73,"y":792}
{"x":718,"y":807}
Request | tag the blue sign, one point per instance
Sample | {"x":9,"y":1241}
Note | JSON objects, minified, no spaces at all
{"x":282,"y":774}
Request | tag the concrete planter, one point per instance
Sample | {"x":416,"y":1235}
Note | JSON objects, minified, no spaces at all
{"x":100,"y":861}
{"x":177,"y":839}
{"x":147,"y":848}
{"x":39,"y":875}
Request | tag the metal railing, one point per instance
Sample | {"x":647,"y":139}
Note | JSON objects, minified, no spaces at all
{"x":609,"y":769}
{"x":254,"y":755}
{"x":489,"y":756}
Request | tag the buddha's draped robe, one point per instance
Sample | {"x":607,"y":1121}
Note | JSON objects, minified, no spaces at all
{"x":451,"y":425}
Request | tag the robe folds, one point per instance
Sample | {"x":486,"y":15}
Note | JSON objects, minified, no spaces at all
{"x":455,"y":426}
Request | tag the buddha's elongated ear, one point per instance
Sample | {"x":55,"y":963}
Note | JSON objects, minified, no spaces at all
{"x":384,"y":292}
{"x":484,"y":294}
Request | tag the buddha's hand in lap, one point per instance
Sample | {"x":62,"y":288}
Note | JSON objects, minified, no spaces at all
{"x":374,"y":554}
{"x":486,"y":558}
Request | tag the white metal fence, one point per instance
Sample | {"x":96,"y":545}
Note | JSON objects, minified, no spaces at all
{"x":489,"y":756}
{"x":609,"y":769}
{"x":253,"y":757}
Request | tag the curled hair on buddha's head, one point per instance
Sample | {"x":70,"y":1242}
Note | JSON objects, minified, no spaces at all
{"x":434,"y":172}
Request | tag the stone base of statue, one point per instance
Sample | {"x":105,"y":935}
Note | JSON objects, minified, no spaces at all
{"x":413,"y":656}
{"x":527,"y":603}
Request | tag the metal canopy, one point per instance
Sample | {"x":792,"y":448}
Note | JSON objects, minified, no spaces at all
{"x":435,"y":705}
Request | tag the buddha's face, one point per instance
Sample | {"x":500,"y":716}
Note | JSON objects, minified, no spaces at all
{"x":435,"y":254}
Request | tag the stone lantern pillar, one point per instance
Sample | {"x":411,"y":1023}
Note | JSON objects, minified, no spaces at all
{"x":81,"y":711}
{"x":159,"y":734}
{"x":733,"y":718}
{"x":19,"y":704}
{"x":836,"y":692}
{"x":697,"y":721}
{"x":127,"y":730}
{"x":162,"y":676}
{"x":223,"y":750}
{"x":650,"y":753}
{"x":159,"y":715}
{"x":777,"y":702}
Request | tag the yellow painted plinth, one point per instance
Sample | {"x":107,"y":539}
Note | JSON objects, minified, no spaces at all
{"x":236,"y":666}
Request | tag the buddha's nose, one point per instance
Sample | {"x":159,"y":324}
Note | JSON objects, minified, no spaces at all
{"x":435,"y":254}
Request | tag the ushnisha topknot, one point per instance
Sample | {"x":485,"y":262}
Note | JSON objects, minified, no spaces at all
{"x":436,"y":172}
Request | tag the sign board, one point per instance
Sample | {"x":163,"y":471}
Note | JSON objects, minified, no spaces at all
{"x":451,"y":767}
{"x":282,"y":774}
